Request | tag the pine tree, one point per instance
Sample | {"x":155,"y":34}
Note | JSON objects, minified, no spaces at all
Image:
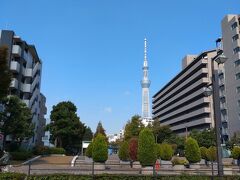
{"x":100,"y":130}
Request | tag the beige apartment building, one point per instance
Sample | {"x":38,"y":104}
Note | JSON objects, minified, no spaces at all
{"x":181,"y":103}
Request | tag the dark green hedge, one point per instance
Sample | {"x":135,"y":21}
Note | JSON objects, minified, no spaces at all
{"x":12,"y":176}
{"x":21,"y":155}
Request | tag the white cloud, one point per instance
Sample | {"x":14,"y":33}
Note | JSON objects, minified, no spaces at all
{"x":108,"y":109}
{"x":126,"y":93}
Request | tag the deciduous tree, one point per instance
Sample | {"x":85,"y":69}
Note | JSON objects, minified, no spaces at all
{"x":133,"y":128}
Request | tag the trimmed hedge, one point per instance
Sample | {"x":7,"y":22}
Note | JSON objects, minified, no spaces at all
{"x":146,"y":148}
{"x":21,"y":155}
{"x":100,"y":149}
{"x":123,"y":153}
{"x":44,"y":150}
{"x":12,"y":176}
{"x":192,"y":150}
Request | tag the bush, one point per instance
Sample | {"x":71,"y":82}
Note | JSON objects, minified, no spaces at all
{"x":212,"y":153}
{"x":166,"y":151}
{"x":54,"y":150}
{"x":192,"y":151}
{"x":89,"y":150}
{"x":179,"y":161}
{"x":132,"y":148}
{"x":146,"y":145}
{"x":203,"y":151}
{"x":100,"y":149}
{"x":41,"y":150}
{"x":123,"y":151}
{"x":236,"y":152}
{"x":14,"y":176}
{"x":21,"y":155}
{"x":157,"y":150}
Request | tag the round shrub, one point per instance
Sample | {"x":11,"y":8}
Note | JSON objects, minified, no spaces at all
{"x":236,"y":152}
{"x":212,"y":153}
{"x":166,"y":151}
{"x":146,"y":144}
{"x":123,"y":151}
{"x":203,"y":151}
{"x":132,"y":148}
{"x":179,"y":161}
{"x":192,"y":151}
{"x":100,"y":149}
{"x":89,"y":150}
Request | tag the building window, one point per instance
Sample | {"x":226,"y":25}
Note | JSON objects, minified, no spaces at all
{"x":238,"y":89}
{"x":236,"y":37}
{"x":238,"y":103}
{"x":237,"y":63}
{"x":238,"y":76}
{"x":234,"y":25}
{"x":236,"y":50}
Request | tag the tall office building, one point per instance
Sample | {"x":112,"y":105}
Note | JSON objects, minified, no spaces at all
{"x":181,"y":103}
{"x":26,"y":66}
{"x":145,"y":83}
{"x":230,"y":99}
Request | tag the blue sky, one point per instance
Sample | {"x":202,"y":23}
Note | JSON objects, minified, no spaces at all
{"x":92,"y":50}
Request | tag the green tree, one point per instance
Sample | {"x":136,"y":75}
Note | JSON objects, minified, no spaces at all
{"x":100,"y":130}
{"x":89,"y":150}
{"x":17,"y":118}
{"x":192,"y":151}
{"x":212,"y":153}
{"x":123,"y":151}
{"x":5,"y":74}
{"x":146,"y":146}
{"x":166,"y":151}
{"x":236,"y":152}
{"x":133,"y":127}
{"x":205,"y":138}
{"x":203,"y":151}
{"x":100,"y":149}
{"x":66,"y":128}
{"x":235,"y":140}
{"x":88,"y":135}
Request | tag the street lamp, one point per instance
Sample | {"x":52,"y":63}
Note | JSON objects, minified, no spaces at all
{"x":213,"y":89}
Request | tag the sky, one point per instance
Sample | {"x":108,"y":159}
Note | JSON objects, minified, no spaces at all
{"x":92,"y":50}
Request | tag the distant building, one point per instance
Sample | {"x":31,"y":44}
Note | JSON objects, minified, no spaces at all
{"x":181,"y":103}
{"x":145,"y":84}
{"x":230,"y":98}
{"x":26,"y":68}
{"x":112,"y":137}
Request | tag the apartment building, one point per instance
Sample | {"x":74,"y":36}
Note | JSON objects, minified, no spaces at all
{"x":230,"y":108}
{"x":26,"y":68}
{"x":181,"y":103}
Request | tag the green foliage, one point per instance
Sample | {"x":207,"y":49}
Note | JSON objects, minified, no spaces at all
{"x":133,"y":147}
{"x":192,"y":151}
{"x":166,"y":151}
{"x":12,"y":176}
{"x":212,"y":153}
{"x":157,"y":150}
{"x":146,"y":145}
{"x":100,"y":149}
{"x":178,"y":143}
{"x":100,"y":130}
{"x":203,"y":151}
{"x":236,"y":152}
{"x":235,"y":140}
{"x":43,"y":150}
{"x":205,"y":138}
{"x":89,"y":150}
{"x":5,"y":73}
{"x":21,"y":155}
{"x":179,"y":161}
{"x":17,"y":118}
{"x":66,"y":128}
{"x":88,"y":134}
{"x":124,"y":151}
{"x":133,"y":128}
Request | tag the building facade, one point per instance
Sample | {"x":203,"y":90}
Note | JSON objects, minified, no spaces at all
{"x":181,"y":103}
{"x":231,"y":74}
{"x":145,"y":84}
{"x":26,"y":68}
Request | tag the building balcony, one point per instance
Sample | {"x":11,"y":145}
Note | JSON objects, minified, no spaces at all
{"x":28,"y":72}
{"x":26,"y":101}
{"x":223,"y":106}
{"x":15,"y":66}
{"x":14,"y":83}
{"x":16,"y":51}
{"x":26,"y":88}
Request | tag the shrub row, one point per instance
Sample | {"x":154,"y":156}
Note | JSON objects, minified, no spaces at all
{"x":43,"y":150}
{"x":18,"y":176}
{"x":21,"y":155}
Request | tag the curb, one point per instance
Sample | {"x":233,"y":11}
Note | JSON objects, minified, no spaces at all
{"x":30,"y":160}
{"x":73,"y":161}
